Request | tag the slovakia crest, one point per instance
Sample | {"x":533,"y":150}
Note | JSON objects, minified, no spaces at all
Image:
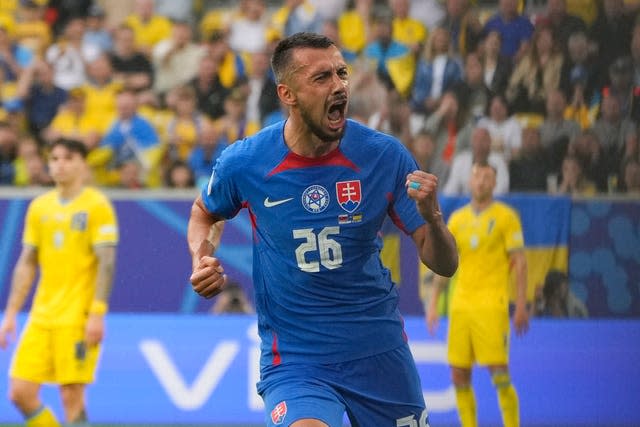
{"x":279,"y":412}
{"x":315,"y":198}
{"x":349,"y":195}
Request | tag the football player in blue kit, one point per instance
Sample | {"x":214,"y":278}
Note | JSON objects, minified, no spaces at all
{"x":318,"y":187}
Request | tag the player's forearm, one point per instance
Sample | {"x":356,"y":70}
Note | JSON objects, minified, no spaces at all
{"x":24,"y":274}
{"x":203,"y":232}
{"x":439,"y":251}
{"x":520,"y":266}
{"x":439,"y":283}
{"x":106,"y":269}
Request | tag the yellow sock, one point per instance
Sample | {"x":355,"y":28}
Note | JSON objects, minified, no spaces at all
{"x":43,"y":417}
{"x":466,"y":400}
{"x":507,"y":399}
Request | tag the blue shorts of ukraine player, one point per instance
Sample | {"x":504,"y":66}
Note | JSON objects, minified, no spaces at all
{"x":383,"y":390}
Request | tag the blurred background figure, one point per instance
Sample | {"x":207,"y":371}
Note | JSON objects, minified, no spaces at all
{"x":232,"y":300}
{"x":557,"y":298}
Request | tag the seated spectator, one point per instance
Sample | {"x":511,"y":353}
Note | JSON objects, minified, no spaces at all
{"x":185,"y":125}
{"x":148,"y":27}
{"x":423,"y":148}
{"x":40,"y":96}
{"x":586,"y":147}
{"x":176,"y":59}
{"x":406,"y":29}
{"x":209,"y":90}
{"x":97,"y":33}
{"x":580,"y":79}
{"x":31,"y":30}
{"x":394,"y":117}
{"x":463,"y":22}
{"x":233,"y":125}
{"x":179,"y":175}
{"x":295,"y":16}
{"x":204,"y":155}
{"x":129,"y":65}
{"x":354,"y":26}
{"x":529,"y":169}
{"x":631,"y":176}
{"x":30,"y":167}
{"x":449,"y":127}
{"x":101,"y":90}
{"x":69,"y":55}
{"x":130,"y":174}
{"x":561,"y":22}
{"x":72,"y":121}
{"x":623,"y":89}
{"x":263,"y":97}
{"x":131,"y":137}
{"x":248,"y":27}
{"x":515,"y":29}
{"x":558,"y":300}
{"x":555,"y":130}
{"x":480,"y":152}
{"x":14,"y":58}
{"x":231,"y":66}
{"x":472,"y":91}
{"x":505,"y":129}
{"x":436,"y":73}
{"x":394,"y":62}
{"x":496,"y":67}
{"x":611,"y":32}
{"x":573,"y":179}
{"x":8,"y":153}
{"x":536,"y":74}
{"x":613,"y":131}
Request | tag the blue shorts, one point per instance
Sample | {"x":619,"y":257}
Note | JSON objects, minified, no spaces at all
{"x":382,"y":390}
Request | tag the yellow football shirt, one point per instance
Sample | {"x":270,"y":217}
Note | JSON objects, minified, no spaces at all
{"x":484,"y":241}
{"x":147,"y":34}
{"x":65,"y":235}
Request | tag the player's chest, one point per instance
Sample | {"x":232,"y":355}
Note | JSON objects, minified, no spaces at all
{"x":60,"y":228}
{"x":479,"y":234}
{"x":344,"y":197}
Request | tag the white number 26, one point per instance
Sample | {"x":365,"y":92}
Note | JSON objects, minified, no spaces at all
{"x":329,"y":250}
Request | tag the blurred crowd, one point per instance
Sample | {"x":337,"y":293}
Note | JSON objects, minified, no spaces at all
{"x":548,"y":92}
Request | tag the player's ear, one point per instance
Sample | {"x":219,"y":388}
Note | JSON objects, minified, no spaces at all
{"x":286,"y":95}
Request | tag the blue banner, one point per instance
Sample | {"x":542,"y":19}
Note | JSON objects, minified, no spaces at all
{"x":174,"y":369}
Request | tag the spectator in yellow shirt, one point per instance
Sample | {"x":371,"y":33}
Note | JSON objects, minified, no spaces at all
{"x":148,"y":27}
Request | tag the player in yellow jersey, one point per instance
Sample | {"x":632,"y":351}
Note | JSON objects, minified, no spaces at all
{"x":70,"y":236}
{"x":490,"y":243}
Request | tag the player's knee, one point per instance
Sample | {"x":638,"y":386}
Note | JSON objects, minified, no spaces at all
{"x":23,"y":399}
{"x":461,"y":377}
{"x":501,"y":379}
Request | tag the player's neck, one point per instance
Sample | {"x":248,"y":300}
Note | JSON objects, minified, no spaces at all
{"x":303,"y":142}
{"x":480,"y":205}
{"x":69,"y":191}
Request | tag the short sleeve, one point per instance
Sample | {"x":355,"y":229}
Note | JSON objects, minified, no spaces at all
{"x":513,"y":235}
{"x":104,"y":224}
{"x":31,"y":234}
{"x":220,"y":195}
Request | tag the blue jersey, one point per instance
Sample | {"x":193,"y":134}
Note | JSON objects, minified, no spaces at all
{"x":321,"y":292}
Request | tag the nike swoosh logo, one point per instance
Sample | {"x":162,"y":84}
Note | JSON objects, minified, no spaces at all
{"x":269,"y":203}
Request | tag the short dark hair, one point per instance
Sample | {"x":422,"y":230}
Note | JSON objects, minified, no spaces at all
{"x":281,"y":59}
{"x":72,"y":145}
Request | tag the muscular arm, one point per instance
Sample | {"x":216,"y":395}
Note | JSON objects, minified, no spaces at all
{"x":203,"y":236}
{"x":521,"y":316}
{"x":24,"y":274}
{"x":22,"y":281}
{"x":436,"y":246}
{"x":104,"y":282}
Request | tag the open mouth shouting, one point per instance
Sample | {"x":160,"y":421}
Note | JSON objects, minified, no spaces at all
{"x":337,"y":114}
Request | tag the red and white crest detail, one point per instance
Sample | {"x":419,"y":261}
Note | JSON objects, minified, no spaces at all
{"x":349,"y":195}
{"x":279,"y":412}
